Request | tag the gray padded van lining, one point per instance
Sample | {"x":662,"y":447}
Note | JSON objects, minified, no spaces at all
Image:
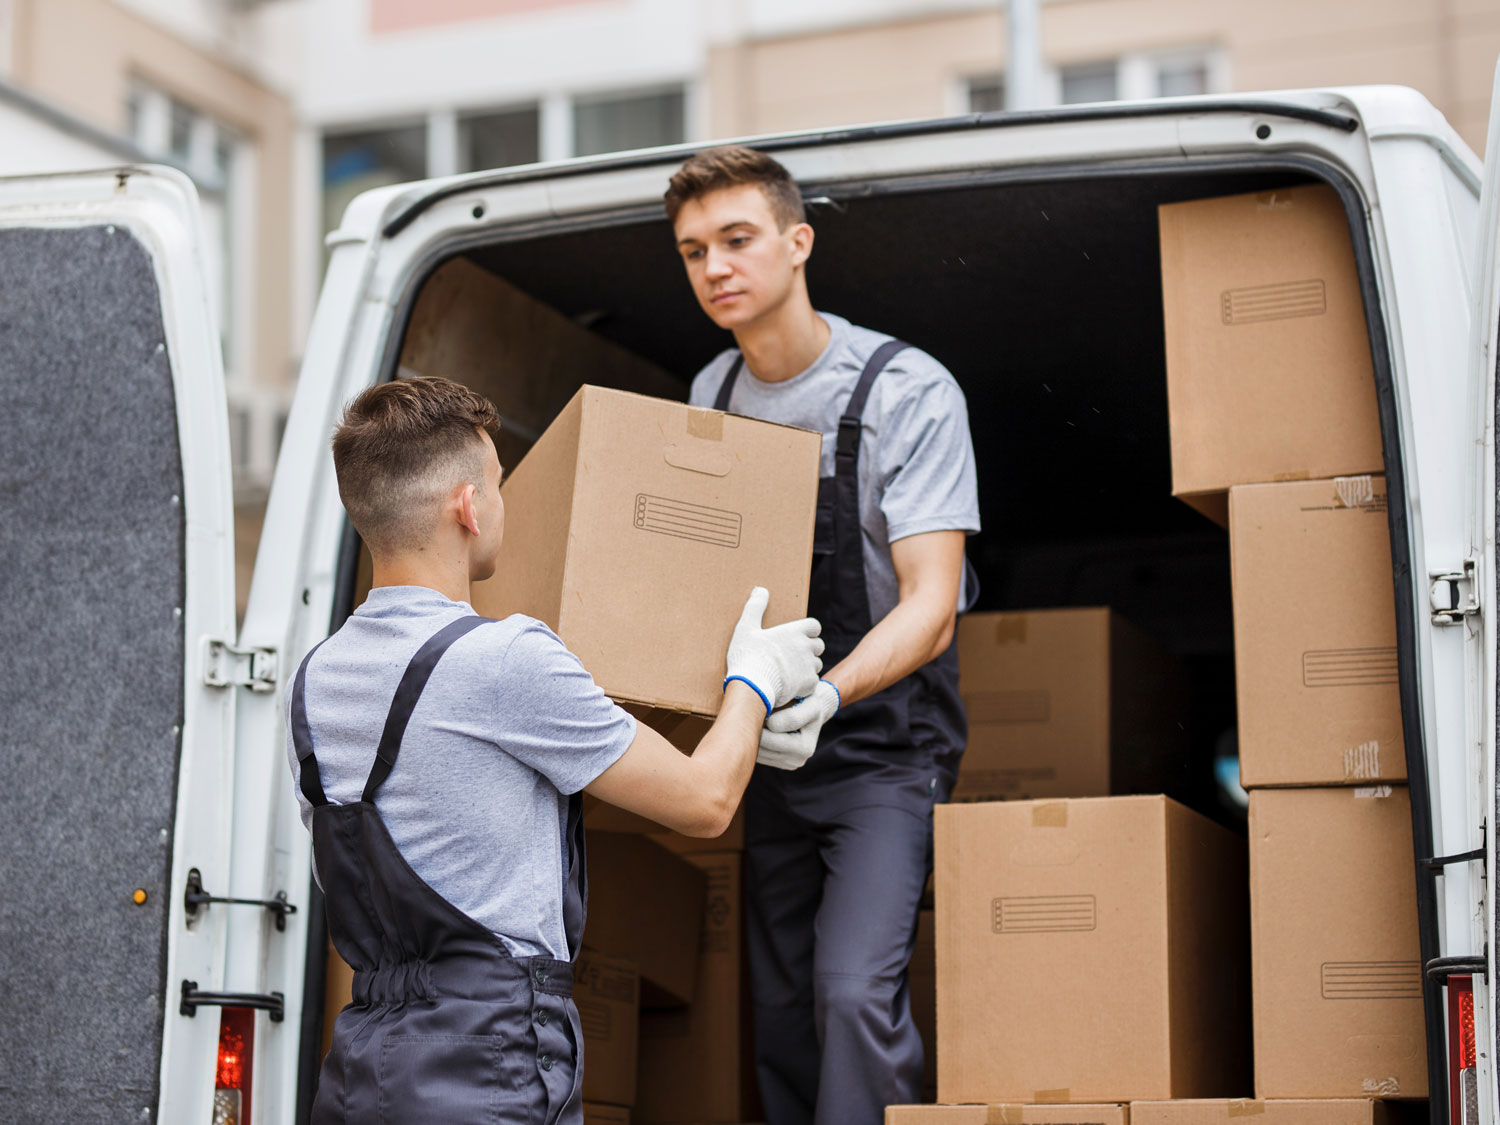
{"x":91,"y":673}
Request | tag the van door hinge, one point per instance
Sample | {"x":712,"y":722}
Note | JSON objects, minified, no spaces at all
{"x":1454,"y":595}
{"x":224,"y":665}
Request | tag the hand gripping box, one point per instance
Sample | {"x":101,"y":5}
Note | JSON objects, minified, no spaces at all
{"x":637,"y":527}
{"x":1336,"y":956}
{"x":1268,"y":356}
{"x":1090,"y":951}
{"x":1315,"y":634}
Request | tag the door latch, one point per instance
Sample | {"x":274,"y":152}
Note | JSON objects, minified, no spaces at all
{"x":1454,"y":596}
{"x":196,"y":896}
{"x":224,"y":665}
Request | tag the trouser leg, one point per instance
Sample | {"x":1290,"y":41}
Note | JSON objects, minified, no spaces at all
{"x":876,"y":861}
{"x":784,"y":879}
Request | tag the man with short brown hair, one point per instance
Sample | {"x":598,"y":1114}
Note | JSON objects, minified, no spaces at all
{"x":838,"y":852}
{"x":439,"y":757}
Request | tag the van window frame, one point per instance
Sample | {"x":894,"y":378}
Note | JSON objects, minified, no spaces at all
{"x":852,"y":190}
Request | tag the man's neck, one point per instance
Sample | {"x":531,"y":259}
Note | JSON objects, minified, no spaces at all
{"x":784,"y":344}
{"x":447,"y":577}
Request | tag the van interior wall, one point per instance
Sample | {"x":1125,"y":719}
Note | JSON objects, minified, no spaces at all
{"x":1042,"y":298}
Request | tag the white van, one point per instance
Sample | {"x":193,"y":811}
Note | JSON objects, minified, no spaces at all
{"x":164,"y":946}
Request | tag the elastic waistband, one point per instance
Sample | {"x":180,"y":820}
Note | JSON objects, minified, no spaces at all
{"x":475,"y":977}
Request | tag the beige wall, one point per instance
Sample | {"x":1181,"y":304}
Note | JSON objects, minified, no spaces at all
{"x":1445,"y":48}
{"x":80,"y":55}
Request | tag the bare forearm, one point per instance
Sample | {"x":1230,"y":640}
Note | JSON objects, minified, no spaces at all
{"x":913,"y":633}
{"x":724,"y":759}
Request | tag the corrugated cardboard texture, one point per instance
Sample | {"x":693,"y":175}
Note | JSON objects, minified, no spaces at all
{"x":1268,"y":360}
{"x":1065,"y":703}
{"x":921,"y":987}
{"x":1077,"y":921}
{"x":646,"y":905}
{"x":525,"y":357}
{"x":666,"y":533}
{"x":1247,"y":1112}
{"x":697,"y":1063}
{"x":1315,"y":634}
{"x":595,"y":1114}
{"x":606,"y":991}
{"x":1007,"y":1114}
{"x":1337,"y":965}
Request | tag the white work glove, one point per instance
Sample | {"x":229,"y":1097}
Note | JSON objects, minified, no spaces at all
{"x":791,"y":734}
{"x":781,"y":663}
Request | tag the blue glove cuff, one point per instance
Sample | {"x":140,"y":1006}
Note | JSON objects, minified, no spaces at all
{"x":752,"y":687}
{"x":838,"y":695}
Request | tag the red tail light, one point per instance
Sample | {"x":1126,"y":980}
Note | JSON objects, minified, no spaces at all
{"x":235,"y":1066}
{"x":1463,"y":1093}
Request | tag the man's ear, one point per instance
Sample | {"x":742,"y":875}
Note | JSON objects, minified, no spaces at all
{"x":802,"y":243}
{"x":468,"y":514}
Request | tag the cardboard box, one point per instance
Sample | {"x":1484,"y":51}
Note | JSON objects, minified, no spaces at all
{"x":698,"y":1063}
{"x":606,"y":991}
{"x":1089,"y":951}
{"x":1337,"y":961}
{"x":1328,"y":1111}
{"x":596,"y":1114}
{"x":1066,"y":703}
{"x":1007,"y":1114}
{"x":1268,"y":358}
{"x":645,"y":905}
{"x":1315,"y":634}
{"x":637,"y":527}
{"x":921,"y":986}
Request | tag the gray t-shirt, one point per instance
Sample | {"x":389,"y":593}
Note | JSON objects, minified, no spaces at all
{"x":508,"y":726}
{"x":916,"y":459}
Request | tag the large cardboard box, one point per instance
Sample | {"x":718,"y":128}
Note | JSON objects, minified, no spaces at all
{"x":1007,"y":1114}
{"x":1090,"y":951}
{"x":697,"y":1063}
{"x":606,"y":991}
{"x":1337,"y":961}
{"x":1328,"y":1111}
{"x":637,"y":527}
{"x":596,"y":1114}
{"x":1315,"y":634}
{"x":646,"y":905}
{"x":1268,"y":359}
{"x":921,"y":987}
{"x":1066,"y":703}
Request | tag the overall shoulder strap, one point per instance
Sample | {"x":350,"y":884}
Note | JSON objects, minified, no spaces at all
{"x":307,"y":763}
{"x":726,"y":388}
{"x":408,"y":691}
{"x":846,"y":451}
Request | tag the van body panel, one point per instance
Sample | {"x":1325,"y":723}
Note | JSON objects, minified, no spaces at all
{"x":140,"y":478}
{"x":1409,"y":185}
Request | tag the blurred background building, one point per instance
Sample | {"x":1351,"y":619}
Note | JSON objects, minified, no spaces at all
{"x":284,"y":110}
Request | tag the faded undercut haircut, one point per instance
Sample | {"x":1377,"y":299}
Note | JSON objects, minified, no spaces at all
{"x":400,"y":449}
{"x":727,"y":166}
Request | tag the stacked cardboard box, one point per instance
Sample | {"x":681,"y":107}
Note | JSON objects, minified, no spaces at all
{"x":606,"y":991}
{"x":1328,"y":1111}
{"x":1275,"y":433}
{"x":1007,"y":1113}
{"x":1066,"y":703}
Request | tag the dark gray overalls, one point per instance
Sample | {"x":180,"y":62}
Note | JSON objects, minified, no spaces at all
{"x":838,"y":852}
{"x":446,"y":1026}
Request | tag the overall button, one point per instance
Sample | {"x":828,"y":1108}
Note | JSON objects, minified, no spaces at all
{"x":541,"y":976}
{"x":546,"y":1061}
{"x":541,"y":1019}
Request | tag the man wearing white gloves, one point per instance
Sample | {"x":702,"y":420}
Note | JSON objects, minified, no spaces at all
{"x":838,"y":823}
{"x":439,"y":757}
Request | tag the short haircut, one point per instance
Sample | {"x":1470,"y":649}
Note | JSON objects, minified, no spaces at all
{"x":399,"y":450}
{"x":727,"y":166}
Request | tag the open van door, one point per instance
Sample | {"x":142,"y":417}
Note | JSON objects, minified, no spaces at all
{"x":116,"y":601}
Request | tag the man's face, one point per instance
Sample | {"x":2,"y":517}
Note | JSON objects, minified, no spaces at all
{"x":490,"y":510}
{"x":740,"y":264}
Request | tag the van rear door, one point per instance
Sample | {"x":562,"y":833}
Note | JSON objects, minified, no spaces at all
{"x":116,"y":573}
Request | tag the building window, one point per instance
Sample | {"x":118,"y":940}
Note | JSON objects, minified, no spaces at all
{"x":1182,"y":77}
{"x":618,"y":122}
{"x":1092,"y":82}
{"x":371,"y":158}
{"x":498,"y":140}
{"x":986,"y":95}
